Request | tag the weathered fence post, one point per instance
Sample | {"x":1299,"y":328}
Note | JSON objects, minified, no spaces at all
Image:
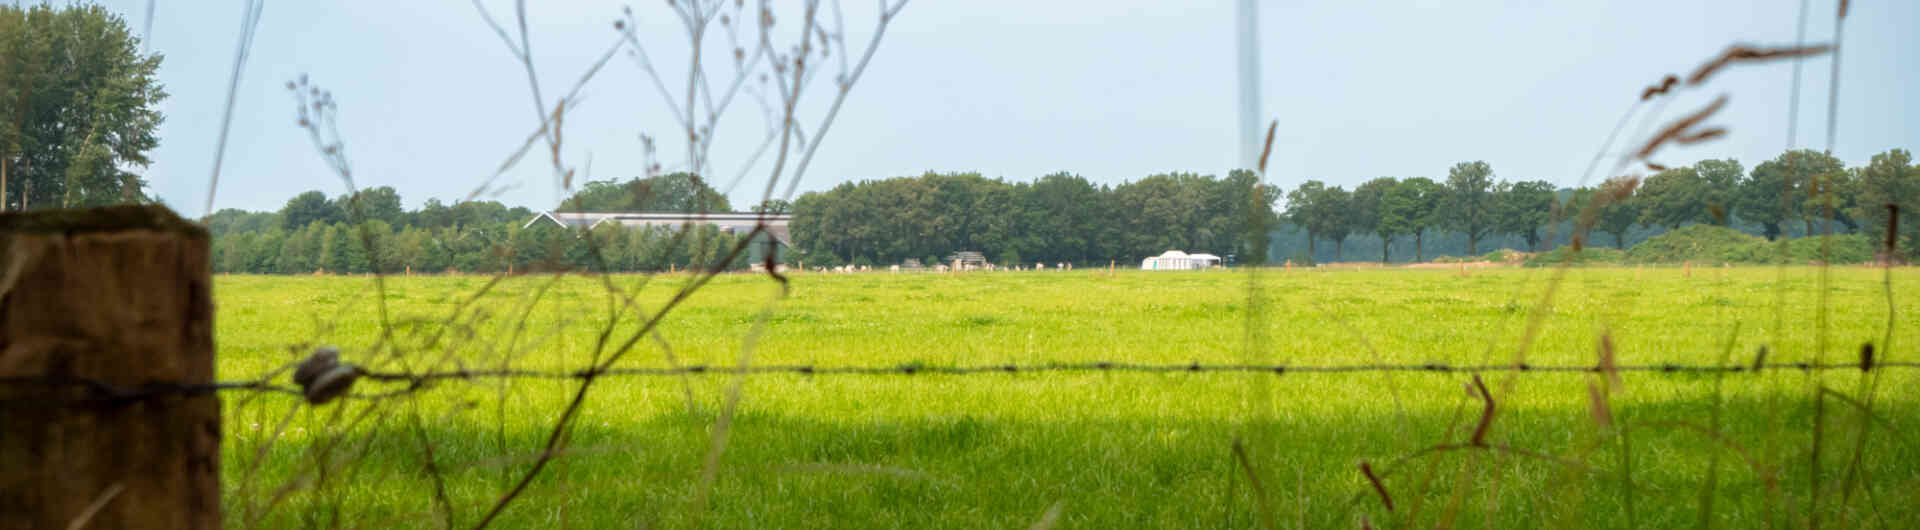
{"x":106,"y":331}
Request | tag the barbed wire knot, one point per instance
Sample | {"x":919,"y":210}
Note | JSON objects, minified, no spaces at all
{"x":322,"y":377}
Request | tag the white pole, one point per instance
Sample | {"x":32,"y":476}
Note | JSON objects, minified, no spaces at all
{"x":1247,"y":25}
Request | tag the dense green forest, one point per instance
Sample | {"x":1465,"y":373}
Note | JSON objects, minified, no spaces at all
{"x":1057,"y":218}
{"x":1066,"y":218}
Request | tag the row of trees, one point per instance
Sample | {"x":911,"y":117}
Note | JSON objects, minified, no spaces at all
{"x":1469,"y":202}
{"x":1064,"y":217}
{"x":1800,"y":187}
{"x":370,"y":231}
{"x":374,"y":204}
{"x":1802,"y":191}
{"x":375,"y":246}
{"x":1059,"y":218}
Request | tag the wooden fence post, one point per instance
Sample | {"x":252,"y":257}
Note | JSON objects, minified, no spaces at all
{"x":119,"y":296}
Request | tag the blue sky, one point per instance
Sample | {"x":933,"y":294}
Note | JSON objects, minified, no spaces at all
{"x":430,"y":101}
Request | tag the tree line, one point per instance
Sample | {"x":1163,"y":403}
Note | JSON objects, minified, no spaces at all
{"x":1796,"y":192}
{"x":1060,"y":217}
{"x":370,"y":231}
{"x":1063,"y":217}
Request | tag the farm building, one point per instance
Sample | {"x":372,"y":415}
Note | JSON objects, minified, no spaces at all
{"x":971,"y":259}
{"x":728,"y":222}
{"x":1174,"y":260}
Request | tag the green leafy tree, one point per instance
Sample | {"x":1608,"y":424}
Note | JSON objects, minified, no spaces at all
{"x":308,"y":208}
{"x":1260,"y":218}
{"x":296,"y":253}
{"x":1337,"y":218}
{"x":673,"y":192}
{"x":1234,"y":207}
{"x":233,"y":220}
{"x":1423,"y":198}
{"x":540,"y":247}
{"x":1835,"y":197}
{"x":1576,"y":208}
{"x":1069,"y":218}
{"x":433,"y":214}
{"x":478,"y":247}
{"x":774,"y":206}
{"x":1721,"y":180}
{"x":1159,"y":212}
{"x":368,"y":243}
{"x":231,"y":254}
{"x":1373,"y":213}
{"x":1890,"y":179}
{"x":407,"y":251}
{"x":1470,"y":204}
{"x":381,"y":203}
{"x":1525,"y":207}
{"x":1002,"y":225}
{"x":970,"y":206}
{"x":1616,"y":209}
{"x":333,"y":249}
{"x":267,"y":251}
{"x":1399,"y":214}
{"x":1777,"y":190}
{"x":78,"y":103}
{"x":1303,"y":210}
{"x":484,"y":214}
{"x":1767,"y":198}
{"x":436,"y":256}
{"x":1673,"y":198}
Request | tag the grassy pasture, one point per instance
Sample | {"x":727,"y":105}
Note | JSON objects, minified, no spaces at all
{"x":1109,"y":449}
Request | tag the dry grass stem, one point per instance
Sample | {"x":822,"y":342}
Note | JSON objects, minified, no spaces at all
{"x":1680,"y":127}
{"x":1744,"y":54}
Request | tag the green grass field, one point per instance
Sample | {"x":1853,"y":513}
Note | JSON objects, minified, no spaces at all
{"x":1109,"y":450}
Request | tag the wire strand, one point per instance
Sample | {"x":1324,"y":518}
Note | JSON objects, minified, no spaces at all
{"x":95,"y":390}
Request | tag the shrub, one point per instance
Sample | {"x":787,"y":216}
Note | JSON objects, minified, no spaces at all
{"x":1713,"y":244}
{"x":1505,"y":255}
{"x":1697,"y":243}
{"x":1847,"y":248}
{"x":1586,"y":256}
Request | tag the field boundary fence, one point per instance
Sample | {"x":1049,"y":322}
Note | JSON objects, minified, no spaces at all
{"x":323,"y":390}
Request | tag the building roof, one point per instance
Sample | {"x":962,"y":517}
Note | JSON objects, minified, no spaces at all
{"x":730,"y":222}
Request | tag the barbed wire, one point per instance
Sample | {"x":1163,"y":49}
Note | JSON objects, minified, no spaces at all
{"x":95,"y":390}
{"x":11,"y":389}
